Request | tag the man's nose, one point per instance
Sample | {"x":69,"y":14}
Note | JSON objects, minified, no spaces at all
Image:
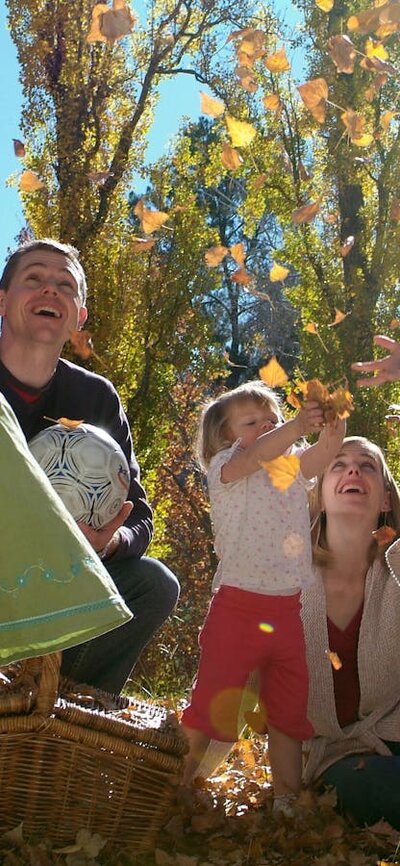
{"x":50,"y":287}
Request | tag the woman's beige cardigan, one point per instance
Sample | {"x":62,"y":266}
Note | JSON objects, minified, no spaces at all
{"x":378,"y":668}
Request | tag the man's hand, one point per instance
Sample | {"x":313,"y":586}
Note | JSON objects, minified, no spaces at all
{"x":106,"y":539}
{"x":386,"y":369}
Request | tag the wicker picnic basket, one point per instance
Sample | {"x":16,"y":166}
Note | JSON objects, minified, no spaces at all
{"x":65,"y":766}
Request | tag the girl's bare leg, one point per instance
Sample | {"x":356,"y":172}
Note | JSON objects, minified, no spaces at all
{"x":198,"y":743}
{"x":285,"y":756}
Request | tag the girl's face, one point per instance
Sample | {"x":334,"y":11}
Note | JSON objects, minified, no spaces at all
{"x":353,"y":484}
{"x":248,"y":420}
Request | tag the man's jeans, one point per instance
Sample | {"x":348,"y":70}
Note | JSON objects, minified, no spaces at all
{"x":368,"y":786}
{"x":151,"y":591}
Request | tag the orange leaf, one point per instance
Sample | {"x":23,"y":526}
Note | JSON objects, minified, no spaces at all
{"x":339,"y":317}
{"x":81,"y":342}
{"x":140,"y":245}
{"x":151,"y":220}
{"x":293,"y":400}
{"x":237,"y":252}
{"x":273,"y":374}
{"x":211,"y":106}
{"x":19,"y":148}
{"x":340,"y":403}
{"x":241,"y":276}
{"x":311,"y":328}
{"x":394,"y":324}
{"x":386,"y":119}
{"x":342,"y":52}
{"x":314,"y":94}
{"x":278,"y":61}
{"x":214,"y":255}
{"x":230,"y":158}
{"x":66,"y":422}
{"x":334,"y":660}
{"x":384,"y":535}
{"x":30,"y":182}
{"x":347,"y":245}
{"x":306,"y":213}
{"x":282,"y":471}
{"x":272,"y":102}
{"x":247,"y":78}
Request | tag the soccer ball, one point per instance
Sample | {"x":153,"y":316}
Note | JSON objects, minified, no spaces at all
{"x":87,"y":469}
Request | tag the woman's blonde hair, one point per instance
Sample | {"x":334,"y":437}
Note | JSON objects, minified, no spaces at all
{"x":321,"y":554}
{"x":213,"y":435}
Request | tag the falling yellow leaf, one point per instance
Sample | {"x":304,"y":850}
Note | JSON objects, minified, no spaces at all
{"x":108,"y":25}
{"x":325,"y":5}
{"x":230,"y":158}
{"x":211,"y":106}
{"x":214,"y":255}
{"x":273,"y":374}
{"x":278,"y":61}
{"x":19,"y":148}
{"x":394,"y":324}
{"x":282,"y":471}
{"x":150,"y":220}
{"x":347,"y":245}
{"x":314,"y":94}
{"x":30,"y":182}
{"x":339,"y":317}
{"x":81,"y":342}
{"x":278,"y":273}
{"x":334,"y":660}
{"x":238,"y":252}
{"x":375,"y":49}
{"x":386,"y":119}
{"x":306,"y":213}
{"x":241,"y":132}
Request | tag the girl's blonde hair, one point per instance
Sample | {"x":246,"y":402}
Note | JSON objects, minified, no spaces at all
{"x":213,"y":435}
{"x":321,"y":554}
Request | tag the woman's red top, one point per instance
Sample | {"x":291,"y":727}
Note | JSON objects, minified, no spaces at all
{"x":344,"y":642}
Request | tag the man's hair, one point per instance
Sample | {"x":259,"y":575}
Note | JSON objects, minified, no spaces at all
{"x":213,"y":435}
{"x":52,"y":246}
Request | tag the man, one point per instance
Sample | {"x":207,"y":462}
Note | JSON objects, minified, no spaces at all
{"x":42,"y":300}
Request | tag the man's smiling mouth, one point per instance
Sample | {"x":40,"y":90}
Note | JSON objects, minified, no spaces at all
{"x":47,"y":311}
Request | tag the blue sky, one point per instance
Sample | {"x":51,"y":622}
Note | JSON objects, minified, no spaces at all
{"x":179,"y":97}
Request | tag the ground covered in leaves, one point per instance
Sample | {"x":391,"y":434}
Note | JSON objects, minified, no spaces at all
{"x":229,"y":823}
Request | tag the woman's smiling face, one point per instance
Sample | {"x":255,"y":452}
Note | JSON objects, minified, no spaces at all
{"x":353,"y":483}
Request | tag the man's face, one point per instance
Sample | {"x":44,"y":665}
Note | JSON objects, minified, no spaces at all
{"x":42,"y":303}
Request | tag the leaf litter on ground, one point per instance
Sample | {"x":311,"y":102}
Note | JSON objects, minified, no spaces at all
{"x":230,"y":823}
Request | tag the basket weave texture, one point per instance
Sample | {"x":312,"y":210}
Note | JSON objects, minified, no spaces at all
{"x":65,"y":767}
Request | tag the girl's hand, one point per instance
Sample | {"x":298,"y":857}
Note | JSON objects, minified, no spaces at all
{"x":386,"y":369}
{"x":310,"y":418}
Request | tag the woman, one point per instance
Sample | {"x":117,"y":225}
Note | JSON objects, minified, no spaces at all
{"x":353,"y":610}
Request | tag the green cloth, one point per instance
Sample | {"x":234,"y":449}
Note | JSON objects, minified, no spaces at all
{"x":54,"y":590}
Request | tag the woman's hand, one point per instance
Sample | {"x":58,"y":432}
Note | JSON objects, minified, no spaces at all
{"x":106,"y":540}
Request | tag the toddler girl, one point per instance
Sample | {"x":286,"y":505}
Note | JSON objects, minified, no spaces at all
{"x":262,"y":540}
